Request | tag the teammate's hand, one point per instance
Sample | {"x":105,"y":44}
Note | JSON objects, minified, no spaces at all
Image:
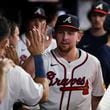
{"x":36,"y":39}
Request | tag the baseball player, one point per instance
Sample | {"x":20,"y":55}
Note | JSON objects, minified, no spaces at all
{"x":95,"y":36}
{"x":16,"y":51}
{"x":36,"y":18}
{"x":103,"y":54}
{"x":15,"y":83}
{"x":75,"y":77}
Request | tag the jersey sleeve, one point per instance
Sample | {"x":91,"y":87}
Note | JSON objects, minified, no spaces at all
{"x":98,"y":84}
{"x":29,"y":92}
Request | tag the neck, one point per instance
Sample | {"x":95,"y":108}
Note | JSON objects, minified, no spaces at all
{"x":69,"y":56}
{"x":98,"y":32}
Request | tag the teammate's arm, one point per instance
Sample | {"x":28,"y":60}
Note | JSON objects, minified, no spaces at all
{"x":98,"y":88}
{"x":29,"y":66}
{"x":95,"y":102}
{"x":36,"y":49}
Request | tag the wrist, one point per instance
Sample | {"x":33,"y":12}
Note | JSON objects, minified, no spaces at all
{"x":39,"y":66}
{"x":36,"y":54}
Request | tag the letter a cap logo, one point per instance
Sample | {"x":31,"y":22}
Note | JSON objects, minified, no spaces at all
{"x":67,"y":21}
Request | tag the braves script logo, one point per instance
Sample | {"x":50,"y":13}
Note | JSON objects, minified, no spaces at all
{"x":68,"y":20}
{"x":81,"y":83}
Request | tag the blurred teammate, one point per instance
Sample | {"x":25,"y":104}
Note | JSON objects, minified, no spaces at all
{"x":15,"y":83}
{"x":103,"y":53}
{"x":96,"y":36}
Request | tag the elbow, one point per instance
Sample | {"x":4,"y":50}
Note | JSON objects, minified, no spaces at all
{"x":45,"y":84}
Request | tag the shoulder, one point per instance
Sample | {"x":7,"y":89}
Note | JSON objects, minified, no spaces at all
{"x":91,"y":58}
{"x":17,"y":73}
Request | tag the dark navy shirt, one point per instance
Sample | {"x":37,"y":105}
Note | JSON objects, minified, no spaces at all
{"x":91,"y":43}
{"x":103,"y":54}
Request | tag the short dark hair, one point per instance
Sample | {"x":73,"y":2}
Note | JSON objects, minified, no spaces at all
{"x":4,"y":28}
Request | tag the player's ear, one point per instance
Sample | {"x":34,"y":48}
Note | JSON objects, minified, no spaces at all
{"x":80,"y":35}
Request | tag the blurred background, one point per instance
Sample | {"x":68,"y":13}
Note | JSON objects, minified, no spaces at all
{"x":17,"y":10}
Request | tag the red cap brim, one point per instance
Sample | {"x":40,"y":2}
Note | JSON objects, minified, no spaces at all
{"x":100,"y":11}
{"x":69,"y":26}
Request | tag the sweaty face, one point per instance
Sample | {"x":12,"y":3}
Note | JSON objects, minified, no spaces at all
{"x":97,"y":20}
{"x":66,"y":39}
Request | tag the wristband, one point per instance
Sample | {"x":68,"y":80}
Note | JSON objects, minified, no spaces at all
{"x":39,"y":66}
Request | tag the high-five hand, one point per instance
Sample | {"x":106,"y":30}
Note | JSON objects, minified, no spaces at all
{"x":36,"y":39}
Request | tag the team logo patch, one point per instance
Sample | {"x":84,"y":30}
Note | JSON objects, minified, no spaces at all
{"x":38,"y":12}
{"x":100,"y":6}
{"x":67,"y":20}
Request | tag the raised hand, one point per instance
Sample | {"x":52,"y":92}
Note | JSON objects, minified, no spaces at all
{"x":36,"y":39}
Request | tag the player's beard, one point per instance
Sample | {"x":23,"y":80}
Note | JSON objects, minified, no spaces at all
{"x":64,"y":49}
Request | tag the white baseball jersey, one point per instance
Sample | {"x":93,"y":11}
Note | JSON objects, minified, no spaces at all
{"x":22,"y":50}
{"x":105,"y":101}
{"x":72,"y":84}
{"x":52,"y":45}
{"x":21,"y":87}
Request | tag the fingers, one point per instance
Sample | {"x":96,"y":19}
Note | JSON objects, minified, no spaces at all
{"x":27,"y":43}
{"x":35,"y":36}
{"x":30,"y":37}
{"x":36,"y":39}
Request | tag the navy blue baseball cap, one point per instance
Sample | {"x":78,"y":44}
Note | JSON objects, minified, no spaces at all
{"x":100,"y":7}
{"x":36,"y":12}
{"x":68,"y":21}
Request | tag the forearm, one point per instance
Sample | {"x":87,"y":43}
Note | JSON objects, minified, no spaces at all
{"x":29,"y":66}
{"x":95,"y":102}
{"x":36,"y":49}
{"x":45,"y":84}
{"x":40,"y":75}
